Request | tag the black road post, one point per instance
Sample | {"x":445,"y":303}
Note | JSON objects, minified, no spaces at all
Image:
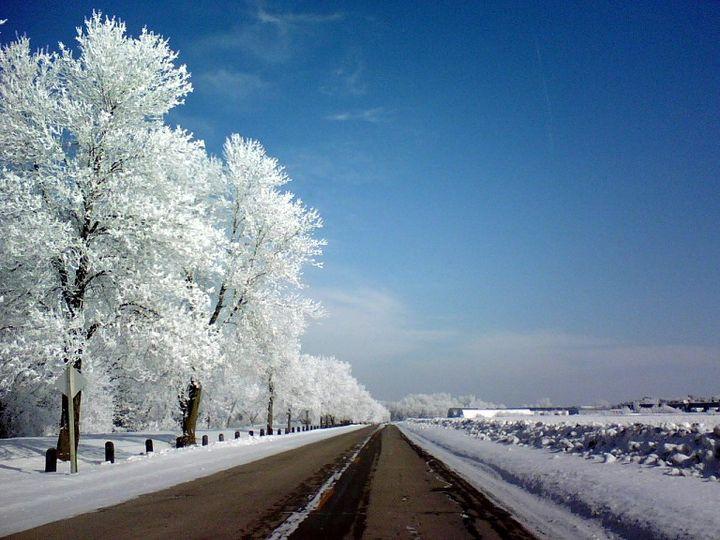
{"x":110,"y":452}
{"x":51,"y":460}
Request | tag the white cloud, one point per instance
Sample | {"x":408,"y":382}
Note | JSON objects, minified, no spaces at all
{"x":366,"y":324}
{"x":374,"y":115}
{"x":348,"y":79}
{"x":271,"y":36}
{"x":559,"y":347}
{"x":393,"y":352}
{"x":233,"y":85}
{"x":286,"y":21}
{"x":572,"y":369}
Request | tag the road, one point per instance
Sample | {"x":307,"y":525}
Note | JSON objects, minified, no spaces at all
{"x":389,"y":489}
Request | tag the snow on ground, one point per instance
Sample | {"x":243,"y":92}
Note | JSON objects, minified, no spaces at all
{"x":689,"y":448}
{"x":31,"y":497}
{"x":605,"y":417}
{"x":526,"y":466}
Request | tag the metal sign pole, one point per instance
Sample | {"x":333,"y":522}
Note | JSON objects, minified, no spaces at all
{"x":71,"y":417}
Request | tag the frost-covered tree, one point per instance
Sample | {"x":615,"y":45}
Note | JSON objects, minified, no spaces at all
{"x":258,"y":311}
{"x":161,"y":273}
{"x":333,"y":395}
{"x":433,"y":405}
{"x":100,"y":212}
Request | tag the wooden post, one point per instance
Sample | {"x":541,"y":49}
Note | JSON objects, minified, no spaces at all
{"x":148,"y":446}
{"x":262,"y":432}
{"x":221,"y":437}
{"x":179,"y":442}
{"x":251,"y":433}
{"x":237,"y":434}
{"x":51,"y":460}
{"x":110,"y":452}
{"x":71,"y":418}
{"x":205,"y":440}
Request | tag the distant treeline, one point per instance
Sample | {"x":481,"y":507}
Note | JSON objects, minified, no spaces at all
{"x":433,"y":405}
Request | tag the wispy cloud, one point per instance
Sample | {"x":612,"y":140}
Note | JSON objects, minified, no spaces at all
{"x":271,"y":36}
{"x":286,"y":21}
{"x":233,"y":85}
{"x":395,"y":351}
{"x":328,"y":169}
{"x":348,"y":79}
{"x":366,"y":322}
{"x":374,"y":115}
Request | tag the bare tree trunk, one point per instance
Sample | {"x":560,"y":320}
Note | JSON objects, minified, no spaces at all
{"x":230,"y":414}
{"x":63,"y":443}
{"x":190,"y":407}
{"x":271,"y":399}
{"x":289,"y":417}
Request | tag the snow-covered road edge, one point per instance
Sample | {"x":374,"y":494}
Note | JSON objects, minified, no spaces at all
{"x":33,"y":499}
{"x":542,"y":517}
{"x":566,"y":496}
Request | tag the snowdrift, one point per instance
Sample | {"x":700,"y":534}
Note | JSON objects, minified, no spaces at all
{"x":638,"y":480}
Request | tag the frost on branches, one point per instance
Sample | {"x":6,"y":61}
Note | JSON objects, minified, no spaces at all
{"x":129,"y":252}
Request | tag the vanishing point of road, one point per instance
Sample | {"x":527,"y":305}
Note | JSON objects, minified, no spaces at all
{"x":368,"y":483}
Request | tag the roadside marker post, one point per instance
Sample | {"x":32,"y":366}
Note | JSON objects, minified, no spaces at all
{"x":70,"y":383}
{"x":51,"y":460}
{"x":110,"y":452}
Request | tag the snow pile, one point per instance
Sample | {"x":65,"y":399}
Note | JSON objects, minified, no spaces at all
{"x":31,"y":497}
{"x":557,"y":495}
{"x":683,"y":449}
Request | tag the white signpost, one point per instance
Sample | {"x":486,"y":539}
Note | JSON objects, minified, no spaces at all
{"x":70,"y":383}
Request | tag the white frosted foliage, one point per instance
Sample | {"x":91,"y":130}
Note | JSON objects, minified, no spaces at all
{"x":129,"y":251}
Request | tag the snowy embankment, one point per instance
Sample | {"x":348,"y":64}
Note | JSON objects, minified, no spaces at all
{"x":31,"y":497}
{"x":623,"y":487}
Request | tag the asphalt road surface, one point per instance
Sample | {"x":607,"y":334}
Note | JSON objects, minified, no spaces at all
{"x":391,"y":489}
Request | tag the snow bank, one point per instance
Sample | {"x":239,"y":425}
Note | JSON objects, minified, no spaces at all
{"x":686,"y":449}
{"x":561,"y":496}
{"x":31,"y":497}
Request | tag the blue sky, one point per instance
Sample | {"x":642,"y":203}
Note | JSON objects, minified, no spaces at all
{"x":522,"y":200}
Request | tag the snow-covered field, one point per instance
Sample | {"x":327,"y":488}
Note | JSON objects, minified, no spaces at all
{"x":652,"y":476}
{"x":31,"y":497}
